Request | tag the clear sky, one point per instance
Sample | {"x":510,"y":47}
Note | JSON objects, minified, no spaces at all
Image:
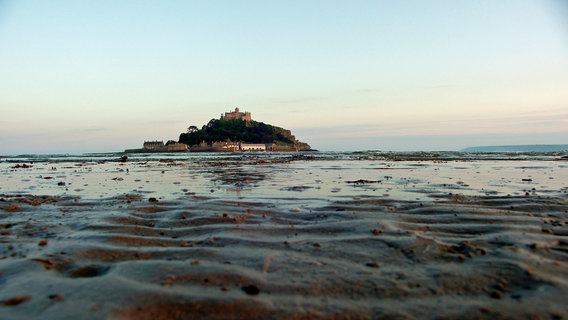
{"x":105,"y":75}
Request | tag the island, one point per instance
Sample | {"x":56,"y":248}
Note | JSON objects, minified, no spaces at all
{"x":233,"y":131}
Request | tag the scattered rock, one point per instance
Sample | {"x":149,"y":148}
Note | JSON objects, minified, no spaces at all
{"x":16,"y":300}
{"x":12,"y":208}
{"x":43,"y":242}
{"x":251,"y":289}
{"x":363,"y":181}
{"x":47,"y":264}
{"x":169,"y":280}
{"x":297,"y":188}
{"x":154,"y":200}
{"x":55,"y":297}
{"x":464,"y":249}
{"x":22,"y":166}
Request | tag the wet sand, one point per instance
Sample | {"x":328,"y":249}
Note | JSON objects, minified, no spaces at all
{"x":284,"y":237}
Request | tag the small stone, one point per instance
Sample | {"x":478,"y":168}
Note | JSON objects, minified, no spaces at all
{"x":16,"y":300}
{"x":373,"y":265}
{"x":43,"y":242}
{"x":154,"y":200}
{"x":496,"y":295}
{"x":168,"y":281}
{"x":13,"y":208}
{"x":61,"y":184}
{"x":251,"y":289}
{"x":56,"y":297}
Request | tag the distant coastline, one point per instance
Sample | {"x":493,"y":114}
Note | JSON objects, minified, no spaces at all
{"x":519,"y":148}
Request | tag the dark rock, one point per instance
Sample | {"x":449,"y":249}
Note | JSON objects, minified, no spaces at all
{"x":251,"y":289}
{"x":16,"y":300}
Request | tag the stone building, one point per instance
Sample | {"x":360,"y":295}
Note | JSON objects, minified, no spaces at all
{"x":154,"y":145}
{"x":252,"y":147}
{"x":236,"y":115}
{"x":176,"y":146}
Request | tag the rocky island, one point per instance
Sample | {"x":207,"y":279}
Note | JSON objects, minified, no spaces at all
{"x":233,"y":131}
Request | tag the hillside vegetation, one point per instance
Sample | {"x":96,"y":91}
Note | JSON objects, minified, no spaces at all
{"x":236,"y":130}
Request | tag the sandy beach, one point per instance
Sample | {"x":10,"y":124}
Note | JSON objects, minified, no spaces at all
{"x":284,"y":236}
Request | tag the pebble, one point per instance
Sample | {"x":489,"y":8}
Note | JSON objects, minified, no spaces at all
{"x":16,"y":300}
{"x":251,"y":289}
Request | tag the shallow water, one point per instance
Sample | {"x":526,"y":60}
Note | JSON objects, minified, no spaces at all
{"x":258,"y":177}
{"x":317,"y":235}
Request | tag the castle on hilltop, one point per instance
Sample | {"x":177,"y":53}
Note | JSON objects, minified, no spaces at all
{"x":237,"y":115}
{"x":234,"y":131}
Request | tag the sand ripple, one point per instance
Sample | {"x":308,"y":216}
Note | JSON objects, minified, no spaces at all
{"x":489,"y":257}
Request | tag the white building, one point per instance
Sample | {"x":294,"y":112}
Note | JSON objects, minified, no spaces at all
{"x":252,"y":147}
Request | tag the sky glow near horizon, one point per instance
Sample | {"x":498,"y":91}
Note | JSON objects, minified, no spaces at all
{"x":97,"y":76}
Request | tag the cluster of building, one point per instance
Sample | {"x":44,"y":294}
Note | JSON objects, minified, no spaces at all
{"x":227,"y":146}
{"x":230,"y":146}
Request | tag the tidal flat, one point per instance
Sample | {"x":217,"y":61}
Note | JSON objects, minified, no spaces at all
{"x":365,"y":235}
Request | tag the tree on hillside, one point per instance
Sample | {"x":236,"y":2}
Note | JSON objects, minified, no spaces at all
{"x":236,"y":130}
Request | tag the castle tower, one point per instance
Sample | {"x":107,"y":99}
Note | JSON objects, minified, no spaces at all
{"x":237,"y":114}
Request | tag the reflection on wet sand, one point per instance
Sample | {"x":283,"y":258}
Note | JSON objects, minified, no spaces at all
{"x":280,"y":237}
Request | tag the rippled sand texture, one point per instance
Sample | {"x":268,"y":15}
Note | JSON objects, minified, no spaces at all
{"x":298,"y":239}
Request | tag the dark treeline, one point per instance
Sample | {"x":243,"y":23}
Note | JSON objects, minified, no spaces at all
{"x":236,"y":130}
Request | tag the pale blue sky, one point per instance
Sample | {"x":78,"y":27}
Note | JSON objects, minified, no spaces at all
{"x":90,"y":76}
